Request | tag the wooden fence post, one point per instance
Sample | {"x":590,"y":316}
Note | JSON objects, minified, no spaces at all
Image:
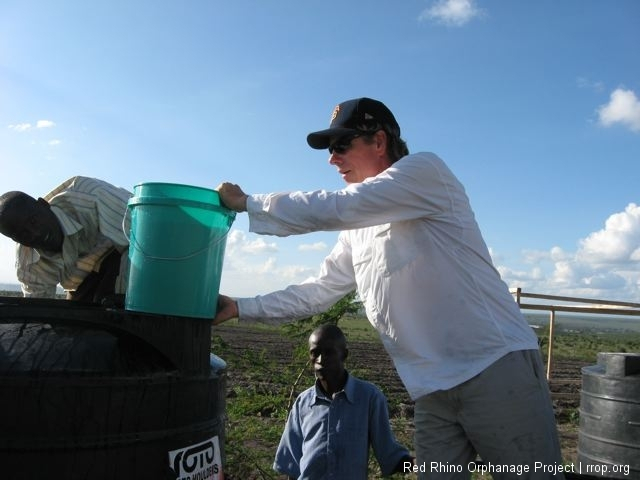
{"x":552,"y":321}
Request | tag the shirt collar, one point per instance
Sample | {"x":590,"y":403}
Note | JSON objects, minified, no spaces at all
{"x":348,"y":390}
{"x":69,"y":225}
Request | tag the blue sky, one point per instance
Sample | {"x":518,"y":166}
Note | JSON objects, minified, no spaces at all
{"x":534,"y":105}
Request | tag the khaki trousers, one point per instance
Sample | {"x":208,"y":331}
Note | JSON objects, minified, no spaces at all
{"x":504,"y":415}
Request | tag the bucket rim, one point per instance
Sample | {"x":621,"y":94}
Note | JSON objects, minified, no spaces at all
{"x":179,"y":202}
{"x":171,"y":184}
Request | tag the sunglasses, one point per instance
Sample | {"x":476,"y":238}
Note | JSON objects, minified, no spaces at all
{"x":343,"y":144}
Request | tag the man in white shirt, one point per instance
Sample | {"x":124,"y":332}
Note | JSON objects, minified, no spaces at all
{"x":73,"y":236}
{"x":410,"y":245}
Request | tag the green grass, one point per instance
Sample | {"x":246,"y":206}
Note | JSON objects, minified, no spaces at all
{"x":586,"y":345}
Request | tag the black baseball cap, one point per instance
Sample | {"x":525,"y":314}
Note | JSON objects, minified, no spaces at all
{"x":360,"y":115}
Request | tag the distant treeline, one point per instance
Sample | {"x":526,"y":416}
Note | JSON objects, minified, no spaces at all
{"x":593,"y":323}
{"x":10,"y":293}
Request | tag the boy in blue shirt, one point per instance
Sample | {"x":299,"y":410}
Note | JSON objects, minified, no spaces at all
{"x":332,"y":424}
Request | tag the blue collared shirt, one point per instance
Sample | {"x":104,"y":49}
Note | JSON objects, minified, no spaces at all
{"x":329,"y":438}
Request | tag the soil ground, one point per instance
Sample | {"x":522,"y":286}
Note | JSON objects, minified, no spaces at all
{"x":371,"y":357}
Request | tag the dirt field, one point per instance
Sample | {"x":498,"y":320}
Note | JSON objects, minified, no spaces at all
{"x":367,"y":356}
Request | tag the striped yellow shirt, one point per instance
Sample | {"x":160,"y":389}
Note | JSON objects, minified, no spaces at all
{"x":91,"y":214}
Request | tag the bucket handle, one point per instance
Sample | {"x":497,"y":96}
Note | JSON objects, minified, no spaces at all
{"x":213,"y":242}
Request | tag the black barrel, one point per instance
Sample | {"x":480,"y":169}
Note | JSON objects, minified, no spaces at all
{"x":95,"y":393}
{"x":609,"y":435}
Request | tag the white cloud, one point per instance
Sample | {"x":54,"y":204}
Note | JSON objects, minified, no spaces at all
{"x":55,"y":142}
{"x":20,"y":127}
{"x":616,"y":243}
{"x":237,"y":242}
{"x":535,"y":256}
{"x":606,"y":263}
{"x":557,"y":254}
{"x":312,"y":247}
{"x":295,"y":272}
{"x":623,"y":108}
{"x":605,"y":281}
{"x":589,"y":84}
{"x":259,"y":246}
{"x":452,"y":12}
{"x":23,"y":127}
{"x":45,"y":124}
{"x":264,"y":268}
{"x":247,"y":272}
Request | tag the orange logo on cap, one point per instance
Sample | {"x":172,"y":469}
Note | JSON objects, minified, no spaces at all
{"x":335,"y":113}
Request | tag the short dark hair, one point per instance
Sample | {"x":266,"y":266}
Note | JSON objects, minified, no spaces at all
{"x":396,"y":146}
{"x":12,"y":205}
{"x":331,"y":331}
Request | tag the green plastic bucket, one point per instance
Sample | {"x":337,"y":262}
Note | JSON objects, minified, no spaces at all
{"x":176,"y":249}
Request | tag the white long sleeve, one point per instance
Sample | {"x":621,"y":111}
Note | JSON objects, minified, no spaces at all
{"x":411,"y":245}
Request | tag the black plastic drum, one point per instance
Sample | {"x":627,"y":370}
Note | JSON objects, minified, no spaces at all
{"x":609,"y":435}
{"x":94,"y":393}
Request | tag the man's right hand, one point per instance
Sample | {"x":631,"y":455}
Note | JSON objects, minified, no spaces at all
{"x":227,"y":309}
{"x":232,"y":196}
